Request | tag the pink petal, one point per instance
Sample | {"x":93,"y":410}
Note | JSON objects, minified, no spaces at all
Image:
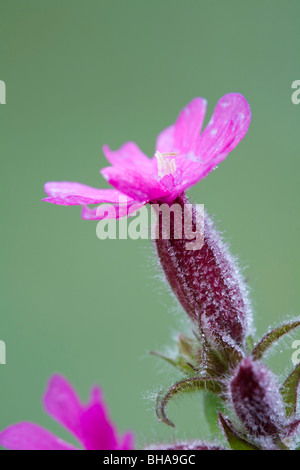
{"x":89,"y":423}
{"x":30,"y":436}
{"x":127,"y":442}
{"x":188,"y":125}
{"x":129,"y":155}
{"x":62,"y":403}
{"x":227,"y":127}
{"x":165,"y":141}
{"x":112,"y":212}
{"x":138,"y":185}
{"x":69,"y":193}
{"x":99,"y":433}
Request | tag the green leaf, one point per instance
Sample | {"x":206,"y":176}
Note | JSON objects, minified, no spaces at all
{"x":249,"y":343}
{"x":179,"y":362}
{"x":234,"y":440}
{"x":169,"y":360}
{"x":210,"y":362}
{"x":229,"y":354}
{"x":289,"y":391}
{"x":272,"y":337}
{"x":213,"y":404}
{"x":184,"y":386}
{"x":186,"y":346}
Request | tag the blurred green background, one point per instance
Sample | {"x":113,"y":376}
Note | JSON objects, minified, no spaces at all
{"x":83,"y":73}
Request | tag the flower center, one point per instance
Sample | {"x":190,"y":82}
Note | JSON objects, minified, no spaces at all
{"x":165,"y":166}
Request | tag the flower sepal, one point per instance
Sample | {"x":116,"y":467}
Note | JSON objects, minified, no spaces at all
{"x":272,"y":337}
{"x":184,"y":386}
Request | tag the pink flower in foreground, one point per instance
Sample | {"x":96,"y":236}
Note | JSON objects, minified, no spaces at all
{"x":183,"y":157}
{"x":90,"y":423}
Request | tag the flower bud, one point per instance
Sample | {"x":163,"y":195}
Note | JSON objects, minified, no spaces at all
{"x":206,"y":281}
{"x":256,"y":399}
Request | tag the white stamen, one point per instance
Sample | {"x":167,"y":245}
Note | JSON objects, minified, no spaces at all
{"x":165,"y":166}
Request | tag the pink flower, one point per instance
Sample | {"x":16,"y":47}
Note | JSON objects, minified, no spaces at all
{"x":90,"y":423}
{"x":183,"y":157}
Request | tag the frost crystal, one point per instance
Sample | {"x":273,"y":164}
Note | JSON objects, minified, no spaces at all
{"x":207,"y":282}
